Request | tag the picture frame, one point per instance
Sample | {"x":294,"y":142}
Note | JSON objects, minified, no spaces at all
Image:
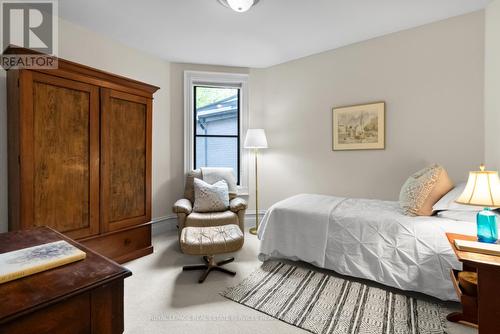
{"x":359,"y":127}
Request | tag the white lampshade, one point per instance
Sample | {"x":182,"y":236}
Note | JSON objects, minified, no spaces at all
{"x":240,"y":5}
{"x":482,"y":189}
{"x":256,"y":138}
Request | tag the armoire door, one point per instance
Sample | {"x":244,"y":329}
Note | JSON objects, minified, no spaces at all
{"x":59,"y":141}
{"x":126,"y":122}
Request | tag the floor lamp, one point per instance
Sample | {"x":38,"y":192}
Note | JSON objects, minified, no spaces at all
{"x":256,"y":140}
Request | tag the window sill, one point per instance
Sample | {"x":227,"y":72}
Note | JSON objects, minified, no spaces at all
{"x":243,"y":191}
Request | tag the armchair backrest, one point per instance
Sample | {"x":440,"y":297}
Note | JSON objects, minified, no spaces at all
{"x":189,"y":186}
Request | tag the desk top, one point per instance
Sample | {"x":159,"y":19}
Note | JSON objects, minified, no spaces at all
{"x":470,"y":258}
{"x":29,"y":293}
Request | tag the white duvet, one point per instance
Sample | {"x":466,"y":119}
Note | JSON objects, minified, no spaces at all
{"x":369,"y":239}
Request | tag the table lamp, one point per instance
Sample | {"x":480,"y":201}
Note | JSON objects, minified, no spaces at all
{"x":483,"y":189}
{"x":255,"y":140}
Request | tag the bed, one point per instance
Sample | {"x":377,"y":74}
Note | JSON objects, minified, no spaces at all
{"x":369,"y":239}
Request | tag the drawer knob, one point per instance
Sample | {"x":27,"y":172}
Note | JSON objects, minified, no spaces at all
{"x":127,"y":241}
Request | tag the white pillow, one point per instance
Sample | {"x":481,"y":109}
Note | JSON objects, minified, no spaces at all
{"x":465,"y":216}
{"x":447,"y":202}
{"x":210,"y":197}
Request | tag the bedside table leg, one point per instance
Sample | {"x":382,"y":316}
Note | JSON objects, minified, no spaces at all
{"x":488,"y":300}
{"x":455,"y":317}
{"x":461,"y":318}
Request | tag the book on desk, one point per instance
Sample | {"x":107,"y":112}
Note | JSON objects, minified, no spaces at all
{"x":32,"y":260}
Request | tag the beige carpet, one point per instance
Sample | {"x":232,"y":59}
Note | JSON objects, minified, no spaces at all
{"x":160,"y":298}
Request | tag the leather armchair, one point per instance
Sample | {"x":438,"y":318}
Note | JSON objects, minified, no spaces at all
{"x":186,"y":217}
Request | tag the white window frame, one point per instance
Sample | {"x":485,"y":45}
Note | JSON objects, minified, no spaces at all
{"x":192,"y":78}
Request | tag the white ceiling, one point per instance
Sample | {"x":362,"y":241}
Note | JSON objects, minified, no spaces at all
{"x":273,"y":32}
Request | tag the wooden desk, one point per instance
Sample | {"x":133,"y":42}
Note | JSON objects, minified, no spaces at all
{"x":81,"y":297}
{"x":488,"y":272}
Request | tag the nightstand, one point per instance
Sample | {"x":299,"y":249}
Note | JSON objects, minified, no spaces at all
{"x":488,"y":294}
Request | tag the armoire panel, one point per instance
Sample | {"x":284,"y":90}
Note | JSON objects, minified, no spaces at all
{"x":127,"y":157}
{"x":63,"y":163}
{"x":61,"y":157}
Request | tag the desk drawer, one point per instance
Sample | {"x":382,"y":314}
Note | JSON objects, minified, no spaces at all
{"x":69,"y":316}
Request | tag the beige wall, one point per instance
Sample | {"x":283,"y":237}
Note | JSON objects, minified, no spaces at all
{"x":82,"y":46}
{"x":430,"y":77}
{"x":168,"y":120}
{"x":492,"y":85}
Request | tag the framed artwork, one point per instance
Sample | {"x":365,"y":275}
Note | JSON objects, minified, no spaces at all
{"x":359,"y":127}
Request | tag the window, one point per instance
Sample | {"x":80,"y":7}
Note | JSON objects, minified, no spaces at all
{"x":216,"y":139}
{"x":215,"y":120}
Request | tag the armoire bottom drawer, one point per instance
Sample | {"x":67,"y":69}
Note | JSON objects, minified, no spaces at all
{"x":122,"y":246}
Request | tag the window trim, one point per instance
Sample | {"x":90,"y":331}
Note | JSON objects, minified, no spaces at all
{"x":214,"y":79}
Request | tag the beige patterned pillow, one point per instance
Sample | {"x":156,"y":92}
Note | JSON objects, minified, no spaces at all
{"x":210,"y":197}
{"x":423,"y":189}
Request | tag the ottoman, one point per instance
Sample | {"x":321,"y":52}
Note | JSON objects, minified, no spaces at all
{"x":209,"y":241}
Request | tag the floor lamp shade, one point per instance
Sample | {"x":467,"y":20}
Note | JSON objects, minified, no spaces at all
{"x":256,"y":138}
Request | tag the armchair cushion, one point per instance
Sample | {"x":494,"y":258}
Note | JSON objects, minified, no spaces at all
{"x":237,"y":204}
{"x":189,"y":189}
{"x":183,"y":206}
{"x":199,"y":219}
{"x":212,"y":175}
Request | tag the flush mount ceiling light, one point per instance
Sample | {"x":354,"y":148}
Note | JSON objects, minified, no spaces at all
{"x":239,"y":6}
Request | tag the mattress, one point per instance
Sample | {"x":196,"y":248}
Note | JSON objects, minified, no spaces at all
{"x":369,"y":239}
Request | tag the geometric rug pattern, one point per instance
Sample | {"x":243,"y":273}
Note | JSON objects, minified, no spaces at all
{"x":322,"y":303}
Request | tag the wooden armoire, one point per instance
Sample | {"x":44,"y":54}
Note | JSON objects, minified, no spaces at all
{"x":79,"y":152}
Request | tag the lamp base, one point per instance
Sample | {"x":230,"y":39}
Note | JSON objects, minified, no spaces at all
{"x":487,"y":230}
{"x":253,"y":230}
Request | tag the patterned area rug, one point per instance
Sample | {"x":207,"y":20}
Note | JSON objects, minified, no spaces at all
{"x":323,"y":303}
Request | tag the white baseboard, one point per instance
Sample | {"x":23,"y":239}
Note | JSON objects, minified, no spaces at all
{"x":168,"y":223}
{"x":250,"y":216}
{"x":164,"y":224}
